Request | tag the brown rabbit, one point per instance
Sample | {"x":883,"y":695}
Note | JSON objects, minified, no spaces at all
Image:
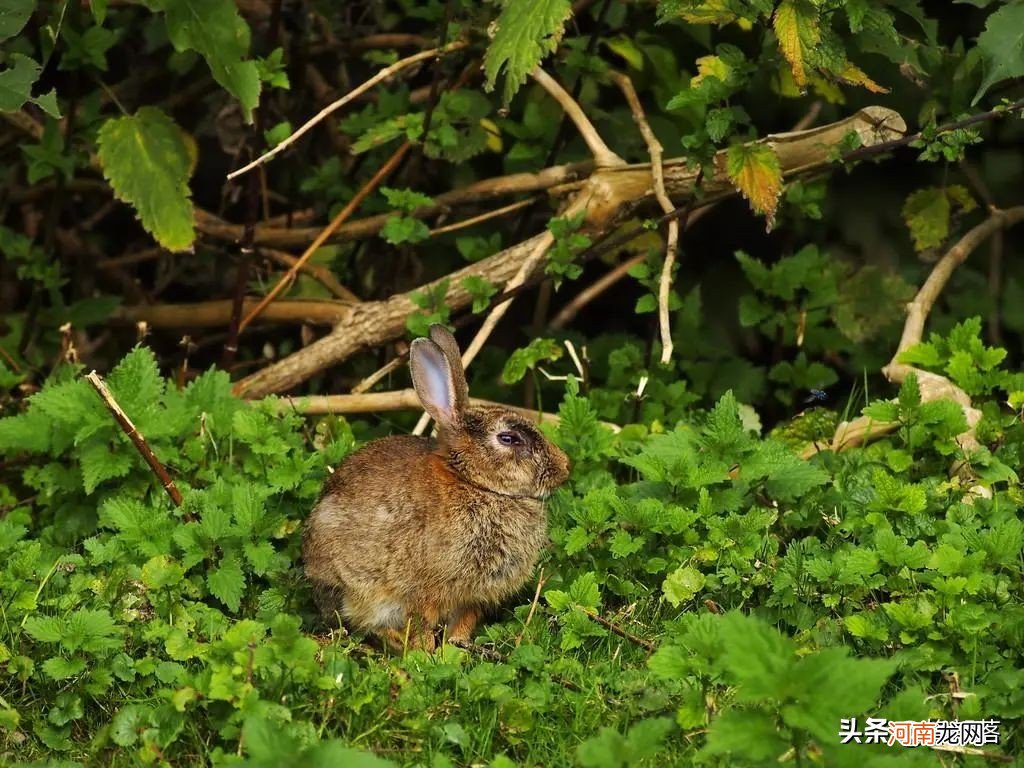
{"x":412,"y":531}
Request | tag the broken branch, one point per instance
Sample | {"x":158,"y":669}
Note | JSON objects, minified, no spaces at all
{"x":136,"y":437}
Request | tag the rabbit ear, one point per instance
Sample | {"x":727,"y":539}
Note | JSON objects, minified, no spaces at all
{"x":432,"y":378}
{"x":444,"y":339}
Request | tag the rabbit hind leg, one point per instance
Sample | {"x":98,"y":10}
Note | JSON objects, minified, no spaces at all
{"x":460,"y":630}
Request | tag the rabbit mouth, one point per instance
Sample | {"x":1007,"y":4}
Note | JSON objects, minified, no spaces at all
{"x":542,"y":496}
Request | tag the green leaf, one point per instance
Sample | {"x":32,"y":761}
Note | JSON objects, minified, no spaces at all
{"x":100,"y":463}
{"x":145,"y":159}
{"x":227,"y":582}
{"x":45,"y":629}
{"x":525,"y":32}
{"x":59,"y":668}
{"x":16,"y":86}
{"x":1001,"y":46}
{"x":528,"y":357}
{"x":14,"y":14}
{"x":215,"y":29}
{"x":682,"y":585}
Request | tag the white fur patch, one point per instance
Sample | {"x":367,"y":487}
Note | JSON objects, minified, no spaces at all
{"x":388,"y":615}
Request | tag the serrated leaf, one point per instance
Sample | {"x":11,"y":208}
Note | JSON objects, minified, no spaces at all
{"x":99,"y":462}
{"x":227,"y":582}
{"x":1001,"y":46}
{"x":14,"y":14}
{"x":524,"y":33}
{"x":216,"y":30}
{"x":59,"y":668}
{"x":755,"y":170}
{"x":796,"y":27}
{"x":146,"y":162}
{"x":854,"y":75}
{"x":16,"y":86}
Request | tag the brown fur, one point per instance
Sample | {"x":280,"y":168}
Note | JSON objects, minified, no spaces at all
{"x":412,"y":531}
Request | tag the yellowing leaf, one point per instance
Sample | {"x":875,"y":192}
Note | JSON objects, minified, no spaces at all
{"x":854,"y":75}
{"x":146,"y":160}
{"x":711,"y":66}
{"x":796,"y":26}
{"x":494,"y":142}
{"x":711,"y":12}
{"x":626,"y":48}
{"x":755,"y":170}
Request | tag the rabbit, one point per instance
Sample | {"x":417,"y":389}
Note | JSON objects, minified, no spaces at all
{"x":410,"y":532}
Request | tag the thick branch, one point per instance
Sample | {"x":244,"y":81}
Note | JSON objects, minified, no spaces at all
{"x":607,"y":195}
{"x":212,"y":314}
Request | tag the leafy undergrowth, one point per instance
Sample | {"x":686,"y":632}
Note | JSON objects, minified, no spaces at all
{"x":778,"y":595}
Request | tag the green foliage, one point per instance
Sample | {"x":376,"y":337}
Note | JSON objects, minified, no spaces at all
{"x":146,"y":161}
{"x":1001,"y":46}
{"x":525,"y":32}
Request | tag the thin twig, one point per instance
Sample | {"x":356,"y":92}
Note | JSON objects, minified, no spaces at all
{"x":473,"y":220}
{"x":533,"y":607}
{"x":389,"y":367}
{"x":568,"y":313}
{"x":381,"y":174}
{"x":654,"y":149}
{"x":136,"y":437}
{"x":617,"y":630}
{"x":603,"y":156}
{"x":334,"y":106}
{"x":974,"y":751}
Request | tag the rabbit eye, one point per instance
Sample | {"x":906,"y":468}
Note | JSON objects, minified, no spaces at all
{"x":510,"y":438}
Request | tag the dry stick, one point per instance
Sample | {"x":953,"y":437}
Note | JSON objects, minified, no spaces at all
{"x":136,"y":437}
{"x":616,"y":629}
{"x":654,"y":149}
{"x":473,"y":220}
{"x":381,"y":174}
{"x":603,"y":156}
{"x":334,"y":106}
{"x":568,"y":313}
{"x":933,"y":386}
{"x":533,"y":607}
{"x":276,"y":232}
{"x":371,"y":381}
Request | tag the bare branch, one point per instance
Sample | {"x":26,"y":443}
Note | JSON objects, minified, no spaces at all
{"x":136,"y":437}
{"x":654,"y":149}
{"x":603,"y":156}
{"x":211,"y":314}
{"x":605,"y":196}
{"x":334,"y":106}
